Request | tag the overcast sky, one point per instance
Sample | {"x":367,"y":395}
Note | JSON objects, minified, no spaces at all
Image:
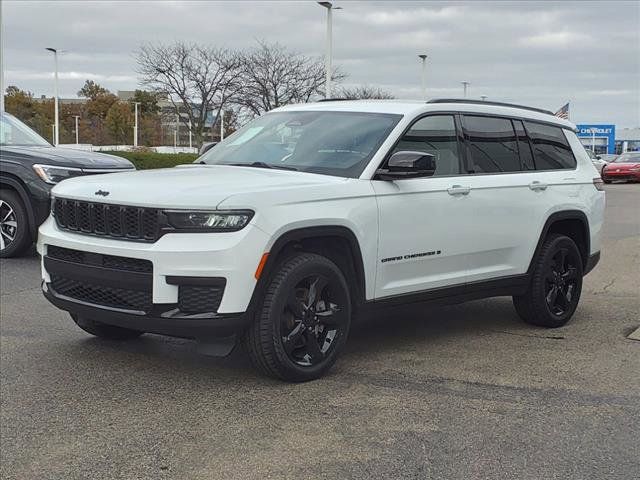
{"x":537,"y":53}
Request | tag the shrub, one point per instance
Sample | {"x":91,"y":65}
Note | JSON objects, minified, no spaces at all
{"x":147,"y":160}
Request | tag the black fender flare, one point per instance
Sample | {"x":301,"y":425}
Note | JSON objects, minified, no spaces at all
{"x":17,"y":185}
{"x":558,"y":216}
{"x":299,"y":234}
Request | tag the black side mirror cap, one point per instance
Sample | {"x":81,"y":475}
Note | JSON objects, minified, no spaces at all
{"x":408,"y":164}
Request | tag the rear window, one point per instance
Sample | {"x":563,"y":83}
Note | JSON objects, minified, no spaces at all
{"x":551,"y":149}
{"x":492,"y":145}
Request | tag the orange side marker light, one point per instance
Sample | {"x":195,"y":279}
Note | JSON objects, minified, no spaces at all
{"x":261,"y":265}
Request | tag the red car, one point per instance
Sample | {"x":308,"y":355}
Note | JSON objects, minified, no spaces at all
{"x":626,"y":167}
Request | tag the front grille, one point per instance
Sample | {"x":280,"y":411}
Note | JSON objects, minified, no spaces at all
{"x":126,"y":299}
{"x":100,"y":260}
{"x":107,"y":220}
{"x":199,"y":299}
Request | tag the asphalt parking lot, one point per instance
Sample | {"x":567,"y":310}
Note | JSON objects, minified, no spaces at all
{"x":464,"y":392}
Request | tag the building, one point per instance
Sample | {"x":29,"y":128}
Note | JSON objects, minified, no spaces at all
{"x":605,"y":139}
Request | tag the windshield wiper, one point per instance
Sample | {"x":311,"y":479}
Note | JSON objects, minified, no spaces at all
{"x":261,"y":165}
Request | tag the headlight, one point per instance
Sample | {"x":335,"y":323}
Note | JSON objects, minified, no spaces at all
{"x":209,"y":221}
{"x":54,"y":174}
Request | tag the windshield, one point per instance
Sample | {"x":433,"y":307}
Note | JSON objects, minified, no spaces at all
{"x":628,"y":158}
{"x":15,"y":133}
{"x":330,"y":143}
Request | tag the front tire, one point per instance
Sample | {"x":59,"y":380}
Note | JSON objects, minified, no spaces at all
{"x":102,"y":330}
{"x":304,"y":319}
{"x":14,"y":225}
{"x":556,"y":284}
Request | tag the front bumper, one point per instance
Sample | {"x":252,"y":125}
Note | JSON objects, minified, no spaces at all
{"x":162,"y":319}
{"x":622,"y":175}
{"x":233,"y":256}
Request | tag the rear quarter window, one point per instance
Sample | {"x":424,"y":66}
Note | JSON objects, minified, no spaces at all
{"x":551,"y":149}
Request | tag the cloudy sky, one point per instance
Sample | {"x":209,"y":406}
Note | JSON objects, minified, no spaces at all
{"x":537,"y":53}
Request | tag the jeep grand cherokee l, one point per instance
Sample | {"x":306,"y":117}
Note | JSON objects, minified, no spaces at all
{"x":312,"y":213}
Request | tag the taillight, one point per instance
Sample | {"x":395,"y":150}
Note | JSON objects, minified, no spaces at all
{"x":598,"y":183}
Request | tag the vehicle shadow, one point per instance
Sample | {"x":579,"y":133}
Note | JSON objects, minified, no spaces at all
{"x":378,"y":334}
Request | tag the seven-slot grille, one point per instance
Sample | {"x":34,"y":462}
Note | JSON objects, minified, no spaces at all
{"x":107,"y":220}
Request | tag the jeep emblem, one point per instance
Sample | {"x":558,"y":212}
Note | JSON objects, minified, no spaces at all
{"x":102,"y":193}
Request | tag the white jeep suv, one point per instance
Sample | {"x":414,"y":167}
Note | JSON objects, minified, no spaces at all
{"x":312,"y":213}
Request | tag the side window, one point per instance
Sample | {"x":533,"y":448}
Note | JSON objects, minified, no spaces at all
{"x":526,"y":156}
{"x":435,"y":134}
{"x":491,"y":144}
{"x":550,"y":147}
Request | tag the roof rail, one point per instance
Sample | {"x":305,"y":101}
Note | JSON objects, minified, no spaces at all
{"x":484,"y":102}
{"x":334,"y":100}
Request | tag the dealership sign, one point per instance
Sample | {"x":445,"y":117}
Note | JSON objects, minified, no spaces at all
{"x":599,"y":131}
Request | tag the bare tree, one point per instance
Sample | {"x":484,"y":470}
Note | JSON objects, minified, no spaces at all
{"x":197,"y":78}
{"x":274,"y":76}
{"x":364,"y":92}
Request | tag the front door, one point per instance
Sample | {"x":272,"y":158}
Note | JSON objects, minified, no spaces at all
{"x":425,"y":223}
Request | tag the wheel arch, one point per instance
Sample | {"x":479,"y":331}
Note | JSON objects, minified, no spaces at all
{"x":12,"y":182}
{"x":327,"y":240}
{"x":572,"y":223}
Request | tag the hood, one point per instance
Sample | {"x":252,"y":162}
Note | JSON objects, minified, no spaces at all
{"x":69,"y":157}
{"x":192,"y":186}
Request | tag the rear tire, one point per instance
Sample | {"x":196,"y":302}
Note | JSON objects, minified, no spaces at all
{"x":14,"y":225}
{"x":554,"y":291}
{"x":303,"y":321}
{"x":102,"y":330}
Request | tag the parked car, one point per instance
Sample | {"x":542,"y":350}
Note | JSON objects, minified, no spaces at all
{"x":625,"y":168}
{"x":598,"y":161}
{"x":29,"y":167}
{"x":314,"y":213}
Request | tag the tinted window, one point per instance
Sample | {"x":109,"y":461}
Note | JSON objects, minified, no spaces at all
{"x":526,"y":156}
{"x":436,"y":135}
{"x":492,"y":145}
{"x":550,"y":147}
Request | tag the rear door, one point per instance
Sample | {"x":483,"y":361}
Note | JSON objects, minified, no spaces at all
{"x":510,"y":198}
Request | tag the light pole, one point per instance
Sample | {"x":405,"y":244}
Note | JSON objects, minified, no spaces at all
{"x":77,"y":117}
{"x":424,"y":75}
{"x":593,"y":140}
{"x":56,"y":136}
{"x":329,"y":53}
{"x":465,"y":85}
{"x":1,"y":62}
{"x":221,"y":124}
{"x":175,"y":132}
{"x":135,"y":124}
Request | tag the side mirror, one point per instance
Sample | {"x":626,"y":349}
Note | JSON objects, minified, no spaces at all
{"x":206,"y":146}
{"x":598,"y":157}
{"x":408,"y":164}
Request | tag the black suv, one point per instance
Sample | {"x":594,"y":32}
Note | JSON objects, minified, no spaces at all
{"x":29,"y":167}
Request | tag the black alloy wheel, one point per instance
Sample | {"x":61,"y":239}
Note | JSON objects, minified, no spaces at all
{"x":561,"y":282}
{"x":303,"y":321}
{"x":311,"y":321}
{"x":556,"y":284}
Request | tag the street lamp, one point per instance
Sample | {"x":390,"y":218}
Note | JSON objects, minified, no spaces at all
{"x":56,"y":136}
{"x":328,"y":54}
{"x":135,"y":125}
{"x":76,"y":117}
{"x":424,"y":75}
{"x":465,"y":85}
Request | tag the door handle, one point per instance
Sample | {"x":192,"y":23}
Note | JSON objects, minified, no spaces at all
{"x":458,"y":190}
{"x":536,"y":185}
